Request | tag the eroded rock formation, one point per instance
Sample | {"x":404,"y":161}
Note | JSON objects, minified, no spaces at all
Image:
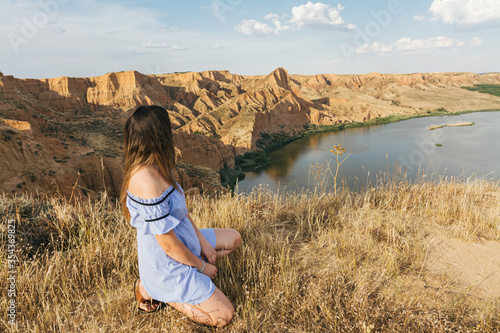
{"x":65,"y":134}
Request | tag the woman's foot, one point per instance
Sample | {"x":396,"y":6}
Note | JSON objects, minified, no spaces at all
{"x":144,"y":302}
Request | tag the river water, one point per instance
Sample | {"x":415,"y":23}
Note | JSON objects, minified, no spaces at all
{"x":377,"y":151}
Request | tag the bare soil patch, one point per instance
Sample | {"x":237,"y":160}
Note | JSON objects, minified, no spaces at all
{"x":472,"y":267}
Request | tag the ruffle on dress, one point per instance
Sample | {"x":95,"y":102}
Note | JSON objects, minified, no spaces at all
{"x":156,"y":215}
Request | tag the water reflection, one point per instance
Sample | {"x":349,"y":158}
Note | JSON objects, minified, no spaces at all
{"x":283,"y":160}
{"x":375,"y":149}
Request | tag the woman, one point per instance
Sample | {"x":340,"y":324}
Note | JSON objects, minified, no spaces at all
{"x":176,"y":259}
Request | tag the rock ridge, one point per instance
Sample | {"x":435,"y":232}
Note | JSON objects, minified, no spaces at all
{"x":60,"y":130}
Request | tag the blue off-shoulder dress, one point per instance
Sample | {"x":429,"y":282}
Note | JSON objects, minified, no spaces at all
{"x":164,"y":278}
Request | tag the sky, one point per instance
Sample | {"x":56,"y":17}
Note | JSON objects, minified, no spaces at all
{"x":52,"y":38}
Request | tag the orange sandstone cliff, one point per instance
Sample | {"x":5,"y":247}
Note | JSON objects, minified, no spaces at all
{"x":65,"y":134}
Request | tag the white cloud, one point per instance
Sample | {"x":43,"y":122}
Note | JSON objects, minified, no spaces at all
{"x":163,"y":46}
{"x":218,"y":47}
{"x":98,"y":37}
{"x":272,"y":16}
{"x":169,"y":29}
{"x":254,"y":28}
{"x":277,"y":23}
{"x":374,"y":47}
{"x":476,"y":41}
{"x":407,"y":44}
{"x":419,"y":18}
{"x":319,"y":16}
{"x":83,"y":27}
{"x":310,"y":15}
{"x":467,"y":12}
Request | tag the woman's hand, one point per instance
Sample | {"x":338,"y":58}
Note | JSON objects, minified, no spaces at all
{"x":208,"y":251}
{"x":210,"y":270}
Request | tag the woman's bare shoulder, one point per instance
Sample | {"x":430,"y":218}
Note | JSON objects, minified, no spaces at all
{"x":147,"y":183}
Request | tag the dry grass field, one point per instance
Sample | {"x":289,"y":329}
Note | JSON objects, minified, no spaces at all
{"x":309,"y":262}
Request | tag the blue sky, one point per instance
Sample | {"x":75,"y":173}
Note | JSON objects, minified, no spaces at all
{"x":50,"y":38}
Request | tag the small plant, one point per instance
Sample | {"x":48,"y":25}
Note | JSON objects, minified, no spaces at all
{"x":319,"y":172}
{"x":32,"y":177}
{"x":441,"y":109}
{"x":338,"y":151}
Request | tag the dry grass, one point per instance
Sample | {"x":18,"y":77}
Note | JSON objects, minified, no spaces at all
{"x":308,"y":263}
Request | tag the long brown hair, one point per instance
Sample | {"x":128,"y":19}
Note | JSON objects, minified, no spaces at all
{"x":147,"y":140}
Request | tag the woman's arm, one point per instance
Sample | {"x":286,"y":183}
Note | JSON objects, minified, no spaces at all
{"x":176,"y":250}
{"x":148,"y":183}
{"x":206,"y":249}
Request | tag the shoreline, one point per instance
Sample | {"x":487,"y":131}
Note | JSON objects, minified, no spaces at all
{"x":269,"y":142}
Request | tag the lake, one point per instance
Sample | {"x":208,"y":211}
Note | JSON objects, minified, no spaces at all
{"x":468,"y":151}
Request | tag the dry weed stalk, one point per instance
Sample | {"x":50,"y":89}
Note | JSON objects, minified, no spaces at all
{"x":338,"y":151}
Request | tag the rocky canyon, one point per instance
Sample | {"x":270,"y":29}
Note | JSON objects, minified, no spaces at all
{"x":64,"y":135}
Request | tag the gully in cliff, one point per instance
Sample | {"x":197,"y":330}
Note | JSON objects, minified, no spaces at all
{"x":177,"y":261}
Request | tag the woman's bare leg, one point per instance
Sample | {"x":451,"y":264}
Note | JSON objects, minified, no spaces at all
{"x":217,"y":310}
{"x":146,"y":306}
{"x":227,"y":240}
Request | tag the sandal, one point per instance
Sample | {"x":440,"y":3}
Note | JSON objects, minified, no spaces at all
{"x":154,"y":304}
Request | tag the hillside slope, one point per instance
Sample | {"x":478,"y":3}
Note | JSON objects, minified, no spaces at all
{"x":396,"y":258}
